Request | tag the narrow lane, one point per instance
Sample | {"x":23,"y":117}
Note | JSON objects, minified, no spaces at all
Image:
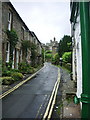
{"x":30,"y":100}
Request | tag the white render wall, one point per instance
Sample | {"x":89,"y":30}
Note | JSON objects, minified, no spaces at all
{"x":78,"y":57}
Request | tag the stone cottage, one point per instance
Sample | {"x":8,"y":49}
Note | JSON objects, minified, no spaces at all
{"x":11,"y":20}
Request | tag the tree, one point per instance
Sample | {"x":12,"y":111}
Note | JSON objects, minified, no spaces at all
{"x":48,"y":55}
{"x":65,"y":45}
{"x":67,"y":57}
{"x":43,"y":55}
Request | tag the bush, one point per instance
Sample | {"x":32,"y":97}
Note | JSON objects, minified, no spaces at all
{"x":55,"y":59}
{"x":6,"y":72}
{"x":67,"y":57}
{"x":7,"y":80}
{"x":14,"y":70}
{"x":48,"y":56}
{"x":17,"y":76}
{"x":25,"y":68}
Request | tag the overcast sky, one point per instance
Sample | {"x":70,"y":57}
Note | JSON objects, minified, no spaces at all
{"x":46,"y":19}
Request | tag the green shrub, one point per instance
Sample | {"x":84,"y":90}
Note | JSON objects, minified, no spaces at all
{"x":14,"y":70}
{"x":25,"y":68}
{"x":67,"y":57}
{"x":55,"y":59}
{"x":48,"y":51}
{"x":17,"y":76}
{"x":7,"y":80}
{"x":6,"y":72}
{"x":48,"y":56}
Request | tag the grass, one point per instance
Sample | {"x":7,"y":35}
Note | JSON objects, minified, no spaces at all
{"x":63,"y":68}
{"x":69,"y":100}
{"x":59,"y":109}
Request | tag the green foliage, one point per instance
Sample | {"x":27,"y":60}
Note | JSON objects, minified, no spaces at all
{"x":9,"y":65}
{"x":25,"y":45}
{"x":67,"y":57}
{"x":7,"y":80}
{"x":17,"y":76}
{"x":48,"y":56}
{"x":43,"y":52}
{"x":7,"y":71}
{"x":55,"y":59}
{"x":48,"y":51}
{"x":12,"y":37}
{"x":25,"y":68}
{"x":65,"y":45}
{"x":33,"y":54}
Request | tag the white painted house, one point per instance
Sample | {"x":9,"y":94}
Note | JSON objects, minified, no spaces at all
{"x":76,"y":43}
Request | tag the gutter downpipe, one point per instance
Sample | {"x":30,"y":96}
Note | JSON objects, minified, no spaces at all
{"x":85,"y":41}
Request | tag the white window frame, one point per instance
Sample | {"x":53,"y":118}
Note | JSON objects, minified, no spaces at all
{"x":7,"y":51}
{"x":13,"y":59}
{"x":17,"y":58}
{"x":9,"y":20}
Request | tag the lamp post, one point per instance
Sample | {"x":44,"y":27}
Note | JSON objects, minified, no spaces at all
{"x":60,"y":61}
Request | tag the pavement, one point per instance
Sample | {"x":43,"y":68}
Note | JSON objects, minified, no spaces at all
{"x":64,"y":107}
{"x":69,"y":109}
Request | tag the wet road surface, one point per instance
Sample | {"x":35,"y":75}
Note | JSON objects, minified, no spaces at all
{"x":31,"y":99}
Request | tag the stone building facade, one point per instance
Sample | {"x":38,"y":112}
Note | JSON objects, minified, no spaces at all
{"x":11,"y":20}
{"x":52,"y":46}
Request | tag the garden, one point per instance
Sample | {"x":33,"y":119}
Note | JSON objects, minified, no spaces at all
{"x":10,"y":76}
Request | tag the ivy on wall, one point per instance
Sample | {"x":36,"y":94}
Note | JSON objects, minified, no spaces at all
{"x":13,"y":39}
{"x":33,"y":54}
{"x":26,"y":44}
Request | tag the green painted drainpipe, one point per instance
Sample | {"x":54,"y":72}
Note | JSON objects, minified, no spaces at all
{"x":85,"y":41}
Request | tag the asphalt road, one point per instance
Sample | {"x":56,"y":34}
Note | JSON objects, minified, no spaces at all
{"x":31,"y":99}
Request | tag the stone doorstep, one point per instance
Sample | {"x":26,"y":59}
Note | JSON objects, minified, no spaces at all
{"x":71,"y":111}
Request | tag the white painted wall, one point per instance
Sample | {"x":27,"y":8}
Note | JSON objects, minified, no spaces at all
{"x":78,"y":57}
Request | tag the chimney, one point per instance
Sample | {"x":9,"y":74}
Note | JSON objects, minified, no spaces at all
{"x":54,"y":39}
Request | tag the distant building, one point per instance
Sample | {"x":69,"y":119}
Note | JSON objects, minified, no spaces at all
{"x":52,"y":46}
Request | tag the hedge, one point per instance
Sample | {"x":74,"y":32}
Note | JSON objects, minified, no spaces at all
{"x":6,"y":80}
{"x":17,"y":76}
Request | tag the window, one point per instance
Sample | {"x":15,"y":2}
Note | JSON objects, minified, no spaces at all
{"x":17,"y":58}
{"x":7,"y":51}
{"x":9,"y":20}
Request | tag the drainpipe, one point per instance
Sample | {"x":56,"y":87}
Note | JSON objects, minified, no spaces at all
{"x":85,"y":41}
